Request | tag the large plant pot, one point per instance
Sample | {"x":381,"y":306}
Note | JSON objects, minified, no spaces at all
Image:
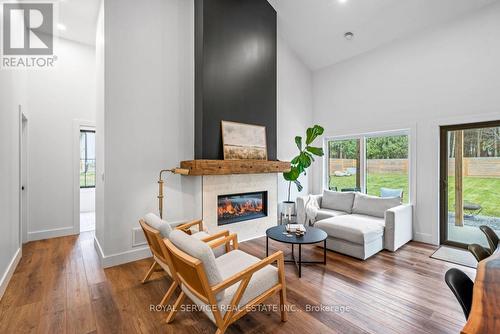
{"x":288,"y":207}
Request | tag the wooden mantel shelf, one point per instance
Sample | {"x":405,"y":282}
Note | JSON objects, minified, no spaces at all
{"x":227,"y":167}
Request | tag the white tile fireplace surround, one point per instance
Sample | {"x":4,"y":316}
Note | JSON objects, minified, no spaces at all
{"x":215,"y":185}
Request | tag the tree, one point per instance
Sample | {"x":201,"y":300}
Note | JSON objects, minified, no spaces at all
{"x":343,"y":149}
{"x":393,"y":147}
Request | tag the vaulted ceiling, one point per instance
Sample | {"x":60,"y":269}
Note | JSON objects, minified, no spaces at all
{"x":315,"y":28}
{"x":79,"y":17}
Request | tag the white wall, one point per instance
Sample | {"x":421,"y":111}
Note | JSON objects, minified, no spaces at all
{"x":12,"y":94}
{"x":87,"y":200}
{"x":56,"y":97}
{"x":295,"y":108}
{"x":443,"y":76}
{"x":99,"y":135}
{"x":148,"y":119}
{"x":9,"y":191}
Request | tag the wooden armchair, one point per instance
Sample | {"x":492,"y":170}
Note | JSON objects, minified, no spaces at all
{"x":186,"y":227}
{"x":154,"y":237}
{"x":227,"y":287}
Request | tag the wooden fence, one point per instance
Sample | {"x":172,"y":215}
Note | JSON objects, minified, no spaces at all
{"x":485,"y":167}
{"x":378,"y":166}
{"x":341,"y":165}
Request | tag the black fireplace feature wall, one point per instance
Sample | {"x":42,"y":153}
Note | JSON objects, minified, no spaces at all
{"x":235,"y":71}
{"x":240,"y":207}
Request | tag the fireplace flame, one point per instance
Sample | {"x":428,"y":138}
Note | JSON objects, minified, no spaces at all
{"x":230,"y":208}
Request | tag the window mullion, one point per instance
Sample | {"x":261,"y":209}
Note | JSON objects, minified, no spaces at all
{"x":86,"y":170}
{"x":362,"y":157}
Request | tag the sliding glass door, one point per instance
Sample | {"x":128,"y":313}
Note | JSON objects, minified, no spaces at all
{"x":376,"y":164}
{"x":470,"y":182}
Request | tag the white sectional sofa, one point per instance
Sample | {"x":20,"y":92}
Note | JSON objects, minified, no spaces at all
{"x":358,"y":225}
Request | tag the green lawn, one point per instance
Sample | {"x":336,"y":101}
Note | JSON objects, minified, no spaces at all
{"x":90,"y":179}
{"x":374,"y":183}
{"x":484,"y":191}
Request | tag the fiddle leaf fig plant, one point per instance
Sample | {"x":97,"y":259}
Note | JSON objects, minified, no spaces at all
{"x":305,"y":158}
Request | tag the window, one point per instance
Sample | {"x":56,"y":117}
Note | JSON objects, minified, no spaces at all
{"x":387,"y":165}
{"x":87,"y":159}
{"x":376,"y":164}
{"x":344,"y":164}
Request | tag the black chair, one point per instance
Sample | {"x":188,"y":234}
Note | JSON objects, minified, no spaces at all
{"x":491,"y":236}
{"x":461,"y":286}
{"x":350,"y":189}
{"x":479,"y":252}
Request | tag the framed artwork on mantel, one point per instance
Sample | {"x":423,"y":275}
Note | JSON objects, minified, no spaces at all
{"x":243,"y":141}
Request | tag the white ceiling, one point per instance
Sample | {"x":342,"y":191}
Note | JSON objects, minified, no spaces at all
{"x":80,"y":19}
{"x":315,"y":28}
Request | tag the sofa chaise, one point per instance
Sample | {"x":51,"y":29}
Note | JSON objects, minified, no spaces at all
{"x":358,"y":225}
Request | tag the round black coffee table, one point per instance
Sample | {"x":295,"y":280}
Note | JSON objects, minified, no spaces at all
{"x":312,"y":236}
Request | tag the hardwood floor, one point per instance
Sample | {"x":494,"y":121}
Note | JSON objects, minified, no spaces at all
{"x":59,"y":287}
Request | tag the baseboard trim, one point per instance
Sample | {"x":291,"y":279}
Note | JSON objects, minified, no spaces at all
{"x":424,"y":237}
{"x":98,"y":249}
{"x":10,"y":271}
{"x":132,"y":255}
{"x":112,"y":260}
{"x":252,"y":238}
{"x":54,"y":233}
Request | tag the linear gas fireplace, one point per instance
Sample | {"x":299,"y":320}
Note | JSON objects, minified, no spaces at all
{"x":239,"y":207}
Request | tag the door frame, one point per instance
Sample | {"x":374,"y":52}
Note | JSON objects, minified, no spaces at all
{"x":23,"y":177}
{"x":443,"y":175}
{"x":77,"y":126}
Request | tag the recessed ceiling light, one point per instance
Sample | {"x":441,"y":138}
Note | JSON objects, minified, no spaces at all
{"x":342,"y":1}
{"x":61,"y":27}
{"x":349,"y":35}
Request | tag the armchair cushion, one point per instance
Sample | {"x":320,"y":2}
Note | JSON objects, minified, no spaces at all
{"x":165,"y":227}
{"x":233,"y":263}
{"x":217,"y":251}
{"x":373,"y":205}
{"x":159,"y":224}
{"x":237,"y":261}
{"x":339,"y":201}
{"x":199,"y":250}
{"x":200,"y":235}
